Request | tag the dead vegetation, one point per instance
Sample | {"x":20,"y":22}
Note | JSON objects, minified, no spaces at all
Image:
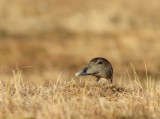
{"x":77,"y":99}
{"x":43,"y":44}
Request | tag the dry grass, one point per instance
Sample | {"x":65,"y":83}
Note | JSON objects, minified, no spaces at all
{"x":78,"y":99}
{"x":47,"y":34}
{"x":46,"y":58}
{"x":44,"y":42}
{"x":28,"y":17}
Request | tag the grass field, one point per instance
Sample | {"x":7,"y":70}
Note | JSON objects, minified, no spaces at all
{"x":78,"y":99}
{"x":43,"y":44}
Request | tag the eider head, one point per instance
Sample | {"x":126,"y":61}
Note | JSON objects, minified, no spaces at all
{"x":98,"y":67}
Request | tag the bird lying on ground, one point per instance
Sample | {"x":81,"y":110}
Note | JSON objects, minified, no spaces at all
{"x":98,"y":67}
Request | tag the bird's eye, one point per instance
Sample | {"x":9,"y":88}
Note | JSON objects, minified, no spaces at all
{"x":99,"y":62}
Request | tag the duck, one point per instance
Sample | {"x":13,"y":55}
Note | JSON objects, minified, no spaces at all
{"x":98,"y":67}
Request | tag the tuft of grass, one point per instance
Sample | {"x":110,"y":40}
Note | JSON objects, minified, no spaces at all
{"x":77,"y":99}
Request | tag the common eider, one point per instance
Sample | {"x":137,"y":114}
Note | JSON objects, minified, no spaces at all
{"x":98,"y":67}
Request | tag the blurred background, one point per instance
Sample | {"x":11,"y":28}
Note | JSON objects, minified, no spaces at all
{"x":47,"y":39}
